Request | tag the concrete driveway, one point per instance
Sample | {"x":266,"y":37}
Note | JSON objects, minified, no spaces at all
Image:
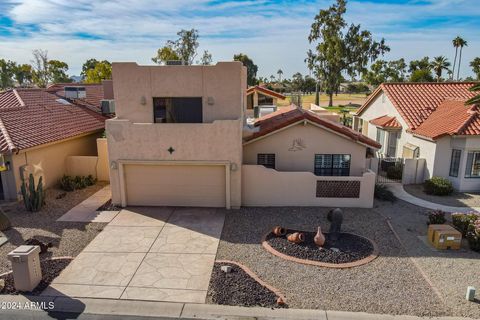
{"x":147,"y":253}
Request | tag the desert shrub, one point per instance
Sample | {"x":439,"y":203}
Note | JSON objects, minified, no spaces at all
{"x":68,"y":183}
{"x":473,"y":236}
{"x":382,"y":193}
{"x":438,"y":186}
{"x":33,"y":197}
{"x":394,"y":172}
{"x":436,"y":217}
{"x":462,"y":221}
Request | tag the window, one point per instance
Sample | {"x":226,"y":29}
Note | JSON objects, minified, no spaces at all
{"x":381,"y":139}
{"x":266,"y":159}
{"x":455,"y":163}
{"x":177,"y":110}
{"x":392,"y":143}
{"x":332,"y":165}
{"x":473,"y":165}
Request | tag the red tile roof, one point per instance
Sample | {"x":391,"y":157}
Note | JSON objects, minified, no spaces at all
{"x":265,"y":91}
{"x":284,"y":118}
{"x":386,"y":122}
{"x":417,"y":101}
{"x":38,"y":117}
{"x":450,"y":118}
{"x":94,"y":93}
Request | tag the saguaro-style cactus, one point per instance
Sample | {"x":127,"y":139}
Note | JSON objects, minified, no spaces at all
{"x":33,"y":198}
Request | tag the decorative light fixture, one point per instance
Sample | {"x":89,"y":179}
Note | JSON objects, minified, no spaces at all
{"x":113,"y":165}
{"x":233,"y":166}
{"x":210,"y":101}
{"x":143,"y":100}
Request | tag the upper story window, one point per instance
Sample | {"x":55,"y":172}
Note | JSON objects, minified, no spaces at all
{"x":177,"y":110}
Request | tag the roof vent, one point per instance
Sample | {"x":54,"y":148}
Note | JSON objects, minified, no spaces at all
{"x":75,"y":92}
{"x":174,"y":63}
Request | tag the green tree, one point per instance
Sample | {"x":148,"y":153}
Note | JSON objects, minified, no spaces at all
{"x":206,"y":59}
{"x":297,"y":82}
{"x":279,"y":73}
{"x":23,"y":74}
{"x":338,"y":49}
{"x":475,"y":64}
{"x":101,"y":71}
{"x":421,"y":75}
{"x":184,"y":48}
{"x":421,"y":64}
{"x":382,"y":71}
{"x":476,"y":99}
{"x":165,"y":54}
{"x":458,"y":42}
{"x":57,"y":71}
{"x":40,"y":75}
{"x":252,"y":68}
{"x":89,"y":64}
{"x":7,"y":68}
{"x":438,"y":64}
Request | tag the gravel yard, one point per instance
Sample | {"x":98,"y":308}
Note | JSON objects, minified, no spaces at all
{"x":456,"y":199}
{"x":389,"y":284}
{"x":67,"y":238}
{"x":450,"y":271}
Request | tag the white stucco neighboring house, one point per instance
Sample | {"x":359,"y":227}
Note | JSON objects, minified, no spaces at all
{"x":429,"y":121}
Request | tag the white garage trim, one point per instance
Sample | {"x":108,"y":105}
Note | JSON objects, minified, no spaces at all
{"x":121,"y":173}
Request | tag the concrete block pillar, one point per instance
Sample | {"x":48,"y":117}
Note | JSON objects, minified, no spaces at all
{"x":26,"y":267}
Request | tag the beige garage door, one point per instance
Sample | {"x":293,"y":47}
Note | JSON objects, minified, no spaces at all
{"x":175,"y":185}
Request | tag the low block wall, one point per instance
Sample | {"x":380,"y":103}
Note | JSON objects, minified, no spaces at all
{"x":264,"y":187}
{"x":97,"y":166}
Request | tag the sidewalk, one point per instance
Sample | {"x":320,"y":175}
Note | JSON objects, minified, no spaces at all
{"x":194,"y":311}
{"x":401,"y":194}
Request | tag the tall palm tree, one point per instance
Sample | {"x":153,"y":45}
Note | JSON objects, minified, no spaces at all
{"x":456,"y":44}
{"x":461,"y":43}
{"x":280,"y":73}
{"x":438,"y":64}
{"x":476,"y":99}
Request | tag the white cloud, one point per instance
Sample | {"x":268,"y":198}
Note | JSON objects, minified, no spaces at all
{"x":274,"y":34}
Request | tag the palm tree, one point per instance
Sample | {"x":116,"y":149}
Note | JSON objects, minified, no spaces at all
{"x":439,"y":64}
{"x":279,"y":72}
{"x":456,"y":44}
{"x":461,"y":43}
{"x":272,"y":78}
{"x":476,"y":99}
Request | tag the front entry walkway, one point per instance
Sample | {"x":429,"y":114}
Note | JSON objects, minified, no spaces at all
{"x":147,"y":253}
{"x":400,"y":193}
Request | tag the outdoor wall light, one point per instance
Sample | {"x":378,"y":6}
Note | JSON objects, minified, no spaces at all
{"x":113,"y":165}
{"x":210,"y":101}
{"x":233,"y":166}
{"x":143,"y":100}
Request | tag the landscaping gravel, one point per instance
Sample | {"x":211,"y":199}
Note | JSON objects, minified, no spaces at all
{"x":67,"y":238}
{"x":456,"y":199}
{"x":349,"y":247}
{"x":451,"y":271}
{"x":388,"y":284}
{"x":237,"y":288}
{"x":50,"y":270}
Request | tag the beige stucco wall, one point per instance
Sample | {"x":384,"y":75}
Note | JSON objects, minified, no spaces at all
{"x":225,"y":82}
{"x":317,"y":140}
{"x":50,"y":161}
{"x":268,"y":187}
{"x":96,"y":166}
{"x":132,"y":135}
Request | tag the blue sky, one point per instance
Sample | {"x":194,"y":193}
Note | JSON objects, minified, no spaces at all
{"x":273,"y":33}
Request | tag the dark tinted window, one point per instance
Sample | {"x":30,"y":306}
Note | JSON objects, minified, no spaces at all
{"x":332,"y":165}
{"x":177,"y":110}
{"x":266,"y":159}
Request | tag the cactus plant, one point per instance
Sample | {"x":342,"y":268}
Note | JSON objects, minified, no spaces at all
{"x":33,"y":198}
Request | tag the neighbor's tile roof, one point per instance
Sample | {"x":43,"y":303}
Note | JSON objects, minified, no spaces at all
{"x":415,"y":102}
{"x":37,"y":117}
{"x":386,"y":122}
{"x":265,"y":91}
{"x":451,"y":117}
{"x":285,"y":117}
{"x":94,"y":94}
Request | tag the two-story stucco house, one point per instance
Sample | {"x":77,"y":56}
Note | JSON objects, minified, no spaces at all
{"x":180,"y":138}
{"x":429,"y":121}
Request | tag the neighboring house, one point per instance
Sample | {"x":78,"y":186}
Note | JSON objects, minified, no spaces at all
{"x":263,"y":98}
{"x":179,"y":139}
{"x":429,"y":121}
{"x":324,"y":113}
{"x":40,"y":129}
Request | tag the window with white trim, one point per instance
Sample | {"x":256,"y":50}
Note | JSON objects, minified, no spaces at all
{"x":332,"y":164}
{"x":392,"y":143}
{"x":472,"y":169}
{"x":381,"y":139}
{"x":455,"y":162}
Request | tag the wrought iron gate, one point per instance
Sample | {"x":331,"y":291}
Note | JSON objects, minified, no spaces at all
{"x":390,"y":170}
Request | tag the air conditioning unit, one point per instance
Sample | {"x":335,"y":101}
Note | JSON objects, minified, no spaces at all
{"x":108,"y":106}
{"x":75,"y":92}
{"x":174,"y":63}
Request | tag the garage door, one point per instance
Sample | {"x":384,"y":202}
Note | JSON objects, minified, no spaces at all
{"x":175,"y":185}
